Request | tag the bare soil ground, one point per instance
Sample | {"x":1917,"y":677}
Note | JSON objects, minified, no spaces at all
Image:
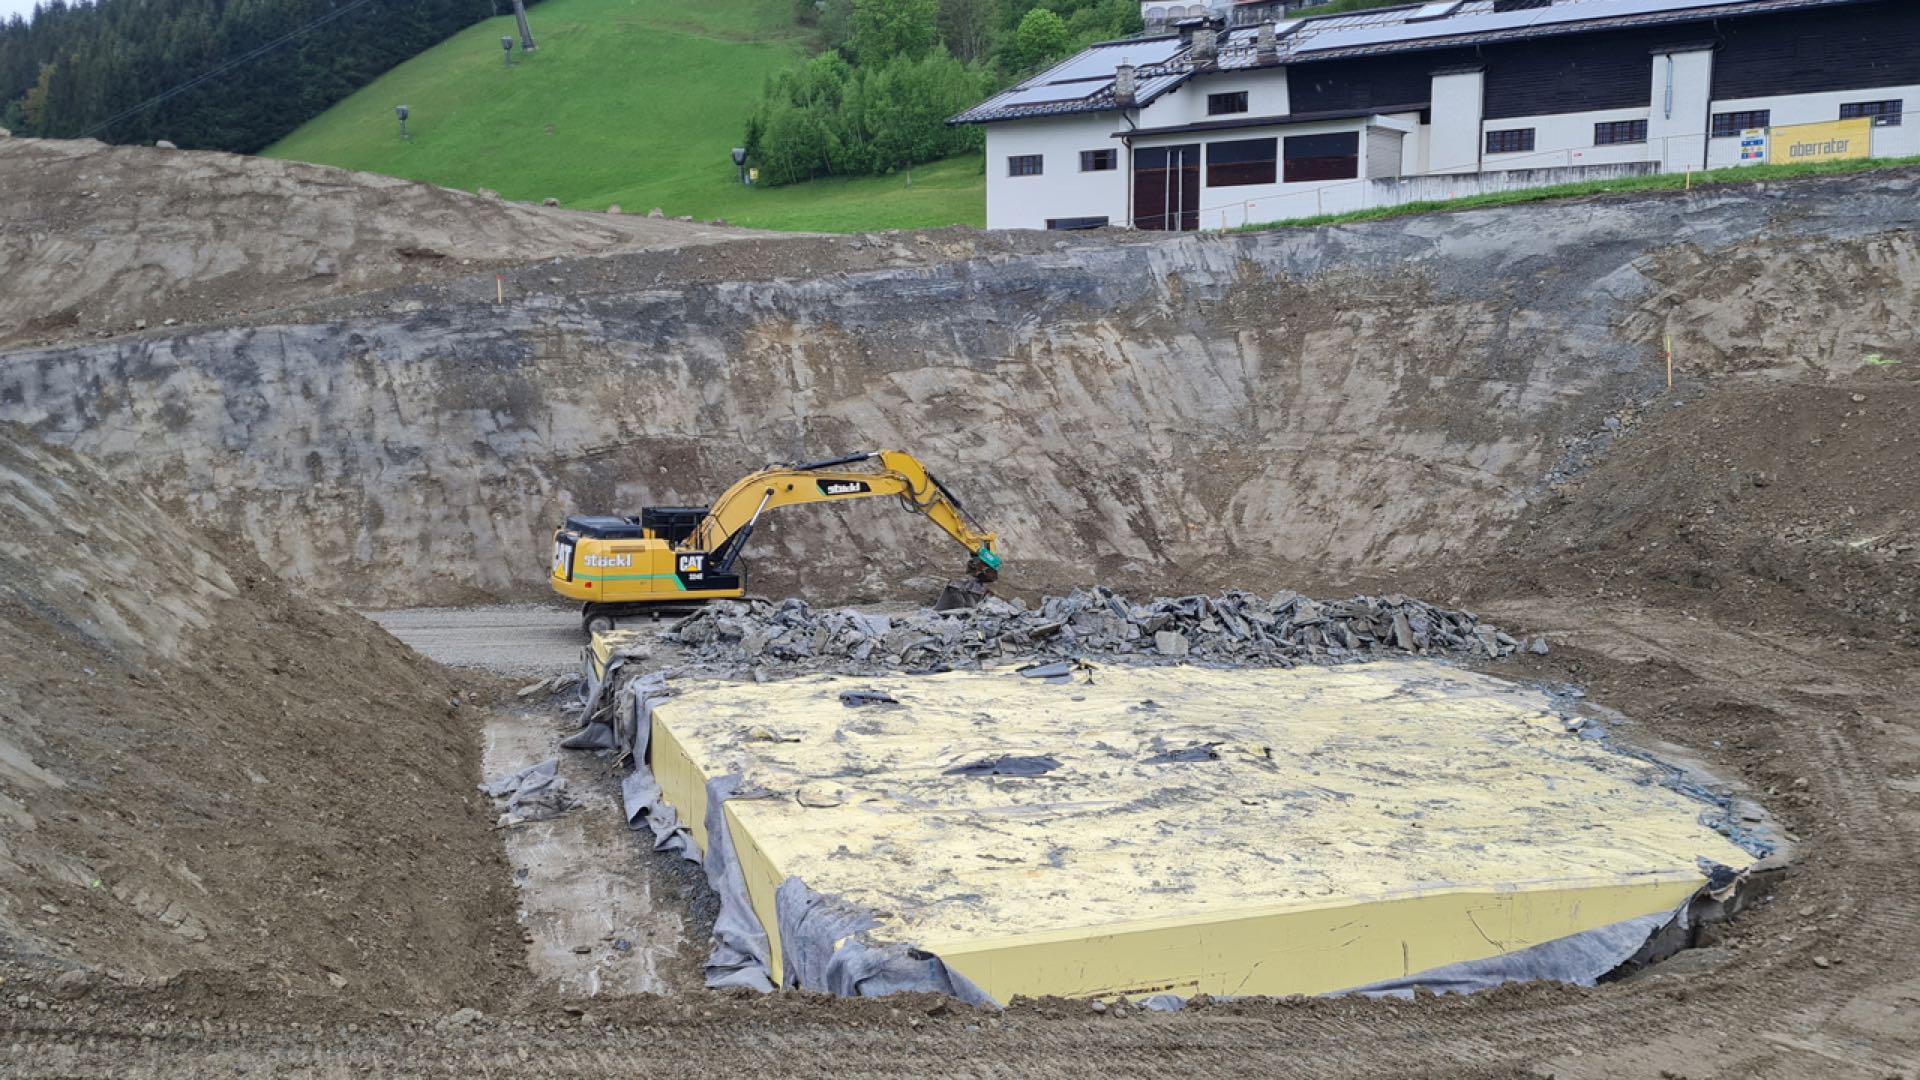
{"x":247,"y":820}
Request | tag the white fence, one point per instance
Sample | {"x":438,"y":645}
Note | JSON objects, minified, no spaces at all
{"x":1345,"y":196}
{"x":1395,"y":191}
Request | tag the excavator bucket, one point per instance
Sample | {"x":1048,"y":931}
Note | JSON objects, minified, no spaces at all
{"x":962,"y":593}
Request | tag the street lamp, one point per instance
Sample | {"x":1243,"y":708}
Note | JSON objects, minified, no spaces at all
{"x":506,"y":49}
{"x":401,"y":112}
{"x":740,"y":162}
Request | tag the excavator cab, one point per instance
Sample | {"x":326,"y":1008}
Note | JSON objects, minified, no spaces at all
{"x":670,"y":558}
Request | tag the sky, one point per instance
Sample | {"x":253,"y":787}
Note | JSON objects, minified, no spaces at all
{"x":10,"y":8}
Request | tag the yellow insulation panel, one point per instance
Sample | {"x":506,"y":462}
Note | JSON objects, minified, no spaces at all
{"x":1194,"y":830}
{"x":605,"y":644}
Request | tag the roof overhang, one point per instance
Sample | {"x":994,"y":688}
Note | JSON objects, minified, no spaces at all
{"x":1288,"y":119}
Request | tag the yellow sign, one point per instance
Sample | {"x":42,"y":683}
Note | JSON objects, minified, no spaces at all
{"x":1835,"y":140}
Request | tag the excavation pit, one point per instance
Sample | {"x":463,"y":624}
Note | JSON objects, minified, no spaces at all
{"x":1129,"y":831}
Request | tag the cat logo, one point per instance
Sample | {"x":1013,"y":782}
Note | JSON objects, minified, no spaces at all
{"x":693,"y":566}
{"x":844,"y":487}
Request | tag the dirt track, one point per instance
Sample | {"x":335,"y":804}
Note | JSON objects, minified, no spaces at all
{"x":1735,"y":567}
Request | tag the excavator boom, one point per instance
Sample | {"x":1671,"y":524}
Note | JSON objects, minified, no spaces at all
{"x":725,"y":529}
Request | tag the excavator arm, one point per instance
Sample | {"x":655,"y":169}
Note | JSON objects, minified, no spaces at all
{"x":730,"y":521}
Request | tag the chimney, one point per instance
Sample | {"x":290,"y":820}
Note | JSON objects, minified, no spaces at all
{"x":1267,"y":48}
{"x":1123,"y":85}
{"x":1203,"y":49}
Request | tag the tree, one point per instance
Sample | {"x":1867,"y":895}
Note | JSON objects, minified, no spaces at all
{"x":835,"y":23}
{"x":33,"y":107}
{"x":966,"y":28}
{"x":883,"y":29}
{"x":826,"y":118}
{"x":1041,"y":37}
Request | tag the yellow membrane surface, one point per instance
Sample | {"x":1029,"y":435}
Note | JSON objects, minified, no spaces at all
{"x":1226,"y":832}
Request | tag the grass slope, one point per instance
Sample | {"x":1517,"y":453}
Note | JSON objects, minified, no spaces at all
{"x":635,"y":102}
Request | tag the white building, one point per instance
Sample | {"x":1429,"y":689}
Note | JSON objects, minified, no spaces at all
{"x":1218,"y":126}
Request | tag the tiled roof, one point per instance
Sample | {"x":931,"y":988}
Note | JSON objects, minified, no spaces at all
{"x":1083,"y":83}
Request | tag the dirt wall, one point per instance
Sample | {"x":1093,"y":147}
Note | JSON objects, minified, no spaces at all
{"x":204,"y":775}
{"x":1162,"y":415}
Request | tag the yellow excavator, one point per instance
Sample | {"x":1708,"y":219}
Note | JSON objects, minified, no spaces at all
{"x":669,"y":557}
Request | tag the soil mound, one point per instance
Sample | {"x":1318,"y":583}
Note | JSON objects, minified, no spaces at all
{"x":107,"y":239}
{"x":1776,"y":501}
{"x":201,"y":772}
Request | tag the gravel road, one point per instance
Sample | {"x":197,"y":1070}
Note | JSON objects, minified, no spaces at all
{"x":510,"y":639}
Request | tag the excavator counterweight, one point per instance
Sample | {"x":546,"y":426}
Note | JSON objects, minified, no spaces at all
{"x":672,"y":557}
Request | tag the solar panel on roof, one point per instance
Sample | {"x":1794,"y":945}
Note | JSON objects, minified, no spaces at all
{"x":1100,"y":62}
{"x":1043,"y":95}
{"x":1436,"y":11}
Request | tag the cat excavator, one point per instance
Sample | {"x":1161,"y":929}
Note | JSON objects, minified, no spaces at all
{"x":673,"y":557}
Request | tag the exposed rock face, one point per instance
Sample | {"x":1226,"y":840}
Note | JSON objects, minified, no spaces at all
{"x":1162,"y":416}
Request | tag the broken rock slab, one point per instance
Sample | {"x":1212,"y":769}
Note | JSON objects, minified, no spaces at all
{"x":1235,"y":627}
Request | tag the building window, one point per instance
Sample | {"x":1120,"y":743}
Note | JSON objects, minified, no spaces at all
{"x":1023,"y":165}
{"x":1619,"y":131}
{"x":1070,"y":224}
{"x":1099,"y":160}
{"x":1221,"y":104}
{"x":1728,"y":125}
{"x":1883,"y":113}
{"x":1241,"y":162}
{"x":1510,"y":141}
{"x":1322,"y":157}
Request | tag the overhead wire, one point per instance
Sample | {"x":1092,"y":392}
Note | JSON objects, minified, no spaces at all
{"x":224,"y":67}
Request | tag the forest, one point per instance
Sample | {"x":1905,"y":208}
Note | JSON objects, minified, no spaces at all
{"x":79,"y":69}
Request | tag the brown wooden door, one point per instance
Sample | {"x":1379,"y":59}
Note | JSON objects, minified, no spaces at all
{"x":1166,"y":187}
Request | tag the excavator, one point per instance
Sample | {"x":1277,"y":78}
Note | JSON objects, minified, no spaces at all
{"x":673,"y":557}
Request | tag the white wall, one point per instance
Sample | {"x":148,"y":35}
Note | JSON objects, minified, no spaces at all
{"x":1061,"y":190}
{"x":1266,"y":96}
{"x":1899,"y":141}
{"x":1443,"y":186}
{"x":1567,"y":139}
{"x":1224,"y":207}
{"x":1677,"y":121}
{"x":1453,"y":144}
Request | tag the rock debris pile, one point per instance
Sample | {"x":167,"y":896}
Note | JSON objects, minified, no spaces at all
{"x":1231,"y":628}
